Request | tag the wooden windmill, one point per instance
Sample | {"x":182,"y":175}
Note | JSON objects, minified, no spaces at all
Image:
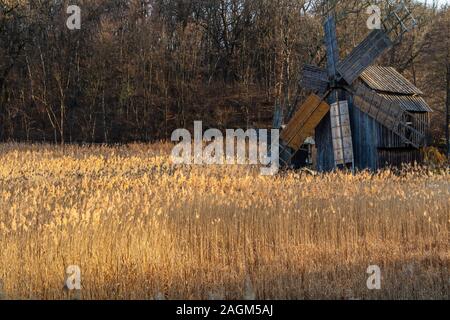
{"x":339,"y":94}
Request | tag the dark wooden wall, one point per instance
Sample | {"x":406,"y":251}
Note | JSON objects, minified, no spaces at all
{"x":374,"y":146}
{"x":397,"y":157}
{"x":324,"y":145}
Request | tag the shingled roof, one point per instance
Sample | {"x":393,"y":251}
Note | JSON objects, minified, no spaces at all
{"x":390,"y":84}
{"x":387,"y":79}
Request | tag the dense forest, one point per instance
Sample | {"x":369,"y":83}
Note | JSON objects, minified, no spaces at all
{"x":138,"y":69}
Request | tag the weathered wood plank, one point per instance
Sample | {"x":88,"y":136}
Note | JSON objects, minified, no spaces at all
{"x":389,"y":114}
{"x":364,"y":55}
{"x":314,"y":78}
{"x":331,"y":45}
{"x":341,"y":133}
{"x":304,"y":122}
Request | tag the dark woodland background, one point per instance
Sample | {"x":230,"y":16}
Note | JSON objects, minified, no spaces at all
{"x":139,"y":69}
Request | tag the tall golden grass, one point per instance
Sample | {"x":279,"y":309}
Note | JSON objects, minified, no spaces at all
{"x":140,"y":228}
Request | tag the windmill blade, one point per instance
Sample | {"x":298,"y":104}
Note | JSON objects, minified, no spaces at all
{"x":315,"y":79}
{"x":341,"y":133}
{"x":331,"y":45}
{"x":398,"y":22}
{"x":389,"y":114}
{"x":302,"y":125}
{"x":364,"y":55}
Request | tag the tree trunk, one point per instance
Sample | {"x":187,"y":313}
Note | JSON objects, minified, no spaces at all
{"x":1,"y":109}
{"x":447,"y":123}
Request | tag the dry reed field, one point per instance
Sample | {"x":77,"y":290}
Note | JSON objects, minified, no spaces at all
{"x":140,"y":228}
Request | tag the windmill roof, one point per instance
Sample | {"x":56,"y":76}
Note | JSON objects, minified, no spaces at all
{"x":391,"y":85}
{"x":387,"y":79}
{"x":411,"y":103}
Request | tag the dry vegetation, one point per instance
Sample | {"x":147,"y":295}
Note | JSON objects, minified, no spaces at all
{"x":140,"y":228}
